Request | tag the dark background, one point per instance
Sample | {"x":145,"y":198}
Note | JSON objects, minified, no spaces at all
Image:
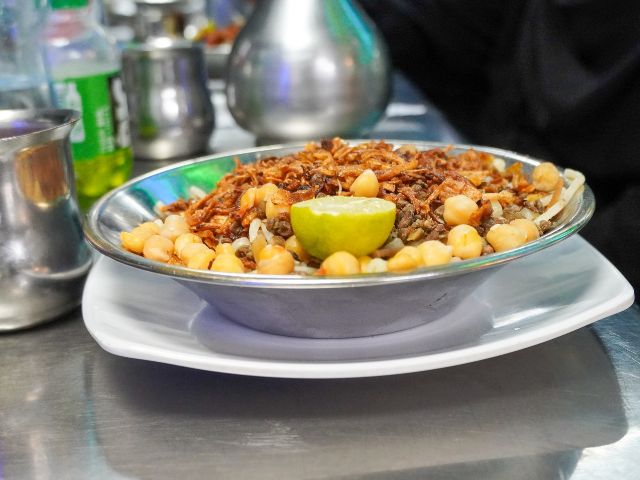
{"x":555,"y":79}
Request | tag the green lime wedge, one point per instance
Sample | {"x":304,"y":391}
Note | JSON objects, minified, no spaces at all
{"x":357,"y":225}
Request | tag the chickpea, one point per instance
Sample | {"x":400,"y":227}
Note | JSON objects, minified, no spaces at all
{"x":272,"y":210}
{"x":364,"y":261}
{"x":270,"y":251}
{"x":366,"y":185}
{"x":505,"y":237}
{"x":375,"y":265}
{"x":545,"y":177}
{"x":175,"y":219}
{"x":228,"y":263}
{"x":158,"y":248}
{"x":184,"y":240}
{"x":265,"y":192}
{"x":414,"y":253}
{"x":275,"y":260}
{"x":134,"y":240}
{"x":201,"y":258}
{"x":465,"y":242}
{"x":401,"y":262}
{"x":339,"y":263}
{"x":174,"y":226}
{"x":225,"y":248}
{"x":248,"y":199}
{"x":435,"y":253}
{"x":458,"y":210}
{"x":191,"y":250}
{"x":258,"y":244}
{"x":149,"y":226}
{"x":528,"y":227}
{"x":294,"y":246}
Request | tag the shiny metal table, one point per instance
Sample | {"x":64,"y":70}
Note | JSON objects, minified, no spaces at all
{"x":569,"y":408}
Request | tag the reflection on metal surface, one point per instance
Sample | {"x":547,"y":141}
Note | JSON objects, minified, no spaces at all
{"x":621,"y":337}
{"x":307,"y":69}
{"x":557,"y":466}
{"x":531,"y":404}
{"x":43,"y":257}
{"x":539,"y":413}
{"x":42,"y":177}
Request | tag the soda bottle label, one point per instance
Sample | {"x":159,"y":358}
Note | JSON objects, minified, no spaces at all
{"x":103,"y":127}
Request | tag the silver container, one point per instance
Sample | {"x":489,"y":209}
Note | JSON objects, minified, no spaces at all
{"x":168,"y":18}
{"x":170,"y":109}
{"x":304,"y":69}
{"x":319,"y":307}
{"x":43,"y":256}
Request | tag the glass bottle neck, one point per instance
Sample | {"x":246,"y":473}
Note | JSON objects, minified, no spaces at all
{"x":66,"y":24}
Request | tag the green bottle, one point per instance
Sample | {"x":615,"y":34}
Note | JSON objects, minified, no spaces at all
{"x":85,"y":70}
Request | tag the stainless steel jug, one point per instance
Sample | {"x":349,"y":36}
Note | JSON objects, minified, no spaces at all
{"x":304,"y":69}
{"x":43,"y":256}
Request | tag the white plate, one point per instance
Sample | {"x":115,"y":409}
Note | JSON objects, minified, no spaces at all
{"x":141,"y":315}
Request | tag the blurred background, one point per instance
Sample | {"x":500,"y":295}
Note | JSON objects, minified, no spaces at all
{"x":553,"y":79}
{"x":214,"y":23}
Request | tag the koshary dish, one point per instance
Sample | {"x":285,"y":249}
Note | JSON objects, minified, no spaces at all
{"x":311,"y":305}
{"x":340,"y":209}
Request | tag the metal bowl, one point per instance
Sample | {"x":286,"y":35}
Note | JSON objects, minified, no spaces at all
{"x":317,"y":307}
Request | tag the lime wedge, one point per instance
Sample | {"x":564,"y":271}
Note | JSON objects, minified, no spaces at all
{"x":357,"y":225}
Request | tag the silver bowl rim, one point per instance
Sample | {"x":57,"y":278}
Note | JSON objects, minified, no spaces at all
{"x":571,"y":226}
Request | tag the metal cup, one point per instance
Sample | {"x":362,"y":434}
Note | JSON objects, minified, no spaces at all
{"x":43,"y":256}
{"x":170,"y":109}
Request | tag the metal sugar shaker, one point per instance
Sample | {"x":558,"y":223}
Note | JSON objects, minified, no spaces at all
{"x":305,"y":69}
{"x":170,"y":110}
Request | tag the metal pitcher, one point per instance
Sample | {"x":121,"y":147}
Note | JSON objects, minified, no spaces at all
{"x":43,"y":256}
{"x":304,"y":69}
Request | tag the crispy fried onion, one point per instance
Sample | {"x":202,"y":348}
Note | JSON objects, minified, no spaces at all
{"x":418,"y":182}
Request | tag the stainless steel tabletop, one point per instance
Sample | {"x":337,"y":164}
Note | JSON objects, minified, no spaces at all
{"x":568,"y":408}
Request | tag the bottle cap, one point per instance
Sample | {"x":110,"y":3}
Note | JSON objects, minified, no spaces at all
{"x":67,"y":4}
